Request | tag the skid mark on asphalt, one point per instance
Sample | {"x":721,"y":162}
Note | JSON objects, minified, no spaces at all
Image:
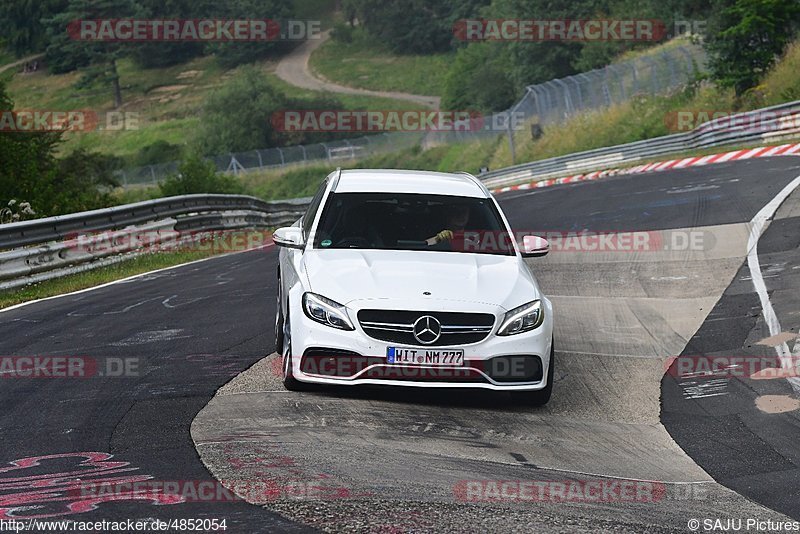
{"x":125,"y":309}
{"x":151,"y":336}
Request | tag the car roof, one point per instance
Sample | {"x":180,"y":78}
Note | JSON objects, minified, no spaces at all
{"x":404,"y":181}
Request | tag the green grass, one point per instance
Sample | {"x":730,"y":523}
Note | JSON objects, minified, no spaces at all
{"x":130,"y":267}
{"x":782,"y":83}
{"x":348,"y":101}
{"x":366,"y":65}
{"x":6,"y":57}
{"x":102,"y":275}
{"x":167,"y":102}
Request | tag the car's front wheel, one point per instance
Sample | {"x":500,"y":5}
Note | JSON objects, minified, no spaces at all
{"x":289,"y":381}
{"x":279,"y":327}
{"x":542,"y":396}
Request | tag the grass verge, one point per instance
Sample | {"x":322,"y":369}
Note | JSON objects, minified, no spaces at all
{"x":130,"y":267}
{"x":365,"y":64}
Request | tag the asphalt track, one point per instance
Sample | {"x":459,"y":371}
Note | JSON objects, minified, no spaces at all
{"x":401,"y":456}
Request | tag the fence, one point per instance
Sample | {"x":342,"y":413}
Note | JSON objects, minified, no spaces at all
{"x":270,"y":158}
{"x":761,"y":126}
{"x":40,"y":249}
{"x":557,"y":100}
{"x":544,"y":103}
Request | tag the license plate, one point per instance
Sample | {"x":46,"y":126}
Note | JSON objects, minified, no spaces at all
{"x":417,"y":356}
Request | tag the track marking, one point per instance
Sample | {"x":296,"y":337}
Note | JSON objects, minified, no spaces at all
{"x":129,"y":278}
{"x":758,"y":225}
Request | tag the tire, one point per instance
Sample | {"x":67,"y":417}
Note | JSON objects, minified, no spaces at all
{"x":289,"y":381}
{"x":542,"y":396}
{"x":279,"y":327}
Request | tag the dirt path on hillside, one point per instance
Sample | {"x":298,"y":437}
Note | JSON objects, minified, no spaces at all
{"x":17,"y":63}
{"x":294,"y":69}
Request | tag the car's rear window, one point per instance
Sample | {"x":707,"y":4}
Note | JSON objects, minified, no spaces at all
{"x":406,"y":221}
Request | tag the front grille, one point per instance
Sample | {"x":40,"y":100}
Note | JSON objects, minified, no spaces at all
{"x":397,"y":326}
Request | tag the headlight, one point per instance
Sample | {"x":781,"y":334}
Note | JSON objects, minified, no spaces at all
{"x":522,"y":319}
{"x":326,"y":311}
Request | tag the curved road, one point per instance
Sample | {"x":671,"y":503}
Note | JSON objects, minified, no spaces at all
{"x":293,"y":68}
{"x":399,"y":460}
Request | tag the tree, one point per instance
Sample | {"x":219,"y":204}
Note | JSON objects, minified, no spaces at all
{"x":30,"y":172}
{"x":99,"y":59}
{"x":28,"y":161}
{"x":239,"y":116}
{"x":164,"y":54}
{"x":22,"y":24}
{"x":231,"y":54}
{"x":413,"y":26}
{"x":746,"y":37}
{"x":478,"y":80}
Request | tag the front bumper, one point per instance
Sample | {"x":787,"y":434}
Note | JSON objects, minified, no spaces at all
{"x":325,"y":355}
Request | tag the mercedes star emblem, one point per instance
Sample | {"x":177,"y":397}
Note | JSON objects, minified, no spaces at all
{"x":427,"y":329}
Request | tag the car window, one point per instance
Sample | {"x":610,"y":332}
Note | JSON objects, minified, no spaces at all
{"x":407,"y":221}
{"x":311,"y":212}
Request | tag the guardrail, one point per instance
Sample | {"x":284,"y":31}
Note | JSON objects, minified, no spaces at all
{"x":42,"y":249}
{"x":759,"y":126}
{"x":45,"y":248}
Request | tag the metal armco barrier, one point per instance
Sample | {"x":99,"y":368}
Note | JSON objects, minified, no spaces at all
{"x":762,"y":125}
{"x":42,"y":249}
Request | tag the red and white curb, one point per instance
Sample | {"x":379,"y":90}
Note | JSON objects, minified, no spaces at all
{"x":759,"y":152}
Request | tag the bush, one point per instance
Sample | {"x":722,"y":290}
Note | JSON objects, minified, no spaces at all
{"x":239,"y":116}
{"x":196,"y":175}
{"x":342,"y":32}
{"x":478,"y":80}
{"x":158,"y":152}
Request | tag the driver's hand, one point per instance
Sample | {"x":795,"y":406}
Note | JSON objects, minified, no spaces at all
{"x":444,"y":235}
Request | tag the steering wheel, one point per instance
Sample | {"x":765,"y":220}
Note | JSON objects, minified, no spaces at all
{"x":358,"y":242}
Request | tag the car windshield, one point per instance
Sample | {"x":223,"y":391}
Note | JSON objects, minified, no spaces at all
{"x":407,"y":221}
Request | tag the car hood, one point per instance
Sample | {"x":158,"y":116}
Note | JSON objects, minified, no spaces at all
{"x":353,"y":275}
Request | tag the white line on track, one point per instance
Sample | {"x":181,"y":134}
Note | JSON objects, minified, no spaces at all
{"x":757,"y":226}
{"x":121,"y":280}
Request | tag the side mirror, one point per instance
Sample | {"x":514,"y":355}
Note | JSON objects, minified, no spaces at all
{"x":289,"y":237}
{"x":534,"y":246}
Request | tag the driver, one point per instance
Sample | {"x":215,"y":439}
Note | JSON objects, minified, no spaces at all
{"x":456,"y":222}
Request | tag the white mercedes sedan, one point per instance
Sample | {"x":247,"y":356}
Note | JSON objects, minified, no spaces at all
{"x":411,"y":278}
